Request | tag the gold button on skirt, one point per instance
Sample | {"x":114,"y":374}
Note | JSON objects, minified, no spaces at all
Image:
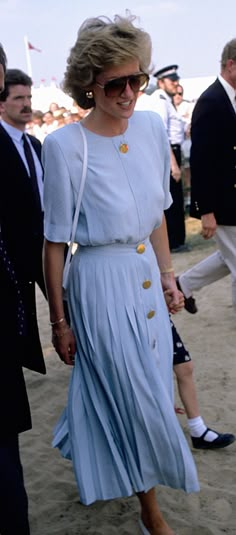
{"x":146,"y":284}
{"x":141,"y":248}
{"x":150,"y":314}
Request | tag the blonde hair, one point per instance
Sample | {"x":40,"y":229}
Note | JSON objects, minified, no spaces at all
{"x":229,"y":52}
{"x":101,"y":43}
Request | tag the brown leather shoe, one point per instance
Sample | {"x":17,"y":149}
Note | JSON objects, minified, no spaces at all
{"x":189,"y":302}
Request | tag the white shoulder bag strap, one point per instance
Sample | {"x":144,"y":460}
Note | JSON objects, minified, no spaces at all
{"x":77,"y":209}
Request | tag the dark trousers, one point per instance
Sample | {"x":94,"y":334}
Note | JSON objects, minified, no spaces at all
{"x":175,"y":217}
{"x":13,"y":497}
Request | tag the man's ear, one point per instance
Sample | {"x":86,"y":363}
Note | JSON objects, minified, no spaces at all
{"x":229,"y":63}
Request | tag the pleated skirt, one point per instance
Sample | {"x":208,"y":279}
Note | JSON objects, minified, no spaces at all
{"x":119,"y":427}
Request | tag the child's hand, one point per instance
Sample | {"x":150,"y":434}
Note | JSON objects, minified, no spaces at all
{"x":168,"y":298}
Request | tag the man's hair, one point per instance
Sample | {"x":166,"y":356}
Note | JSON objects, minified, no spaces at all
{"x":3,"y":58}
{"x":229,"y":52}
{"x":14,"y":77}
{"x":38,"y":114}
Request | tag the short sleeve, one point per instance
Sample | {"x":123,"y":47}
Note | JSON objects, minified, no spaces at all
{"x":160,"y":135}
{"x":58,"y":192}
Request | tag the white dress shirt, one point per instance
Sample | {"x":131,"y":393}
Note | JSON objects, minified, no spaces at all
{"x":161,"y":103}
{"x":229,"y":90}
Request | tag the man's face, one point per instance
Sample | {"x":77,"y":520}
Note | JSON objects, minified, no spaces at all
{"x":1,"y":78}
{"x":48,"y":118}
{"x":178,"y":97}
{"x":168,"y":85}
{"x":16,"y":110}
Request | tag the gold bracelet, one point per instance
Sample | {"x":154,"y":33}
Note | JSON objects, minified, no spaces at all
{"x":168,"y":270}
{"x":52,"y":323}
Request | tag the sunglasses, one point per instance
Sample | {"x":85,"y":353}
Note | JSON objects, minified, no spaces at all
{"x":116,"y":86}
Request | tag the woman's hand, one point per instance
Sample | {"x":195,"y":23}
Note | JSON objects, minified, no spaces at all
{"x":172,"y":307}
{"x":174,"y":298}
{"x":63,"y":340}
{"x":160,"y":243}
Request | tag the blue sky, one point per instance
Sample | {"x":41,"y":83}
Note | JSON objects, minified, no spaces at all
{"x":190,"y":33}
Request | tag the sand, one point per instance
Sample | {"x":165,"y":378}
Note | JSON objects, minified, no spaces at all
{"x":210,"y":336}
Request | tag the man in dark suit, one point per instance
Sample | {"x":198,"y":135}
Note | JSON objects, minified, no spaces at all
{"x":21,"y":241}
{"x":213,"y":176}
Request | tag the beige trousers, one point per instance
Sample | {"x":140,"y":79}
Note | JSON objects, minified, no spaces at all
{"x":216,"y":266}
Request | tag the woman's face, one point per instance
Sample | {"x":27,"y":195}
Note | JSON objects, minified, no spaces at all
{"x":122,"y":105}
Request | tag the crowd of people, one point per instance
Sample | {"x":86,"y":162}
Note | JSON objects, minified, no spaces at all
{"x":119,"y":428}
{"x":43,"y":123}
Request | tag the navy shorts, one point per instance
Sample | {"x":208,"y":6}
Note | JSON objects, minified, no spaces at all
{"x":181,"y":354}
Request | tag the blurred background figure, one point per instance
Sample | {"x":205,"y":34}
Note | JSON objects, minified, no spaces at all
{"x":35,"y":126}
{"x":185,"y":109}
{"x":68,"y":117}
{"x":161,"y":101}
{"x":59,"y":116}
{"x":49,"y":123}
{"x":53,"y":107}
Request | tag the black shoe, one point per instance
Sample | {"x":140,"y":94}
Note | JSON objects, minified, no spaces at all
{"x":221,"y":441}
{"x":189,"y":302}
{"x":181,"y":249}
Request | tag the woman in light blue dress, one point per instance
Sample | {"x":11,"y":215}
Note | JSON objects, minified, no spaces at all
{"x":119,"y":427}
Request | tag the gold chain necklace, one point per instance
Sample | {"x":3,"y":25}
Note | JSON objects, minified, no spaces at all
{"x":123,"y":147}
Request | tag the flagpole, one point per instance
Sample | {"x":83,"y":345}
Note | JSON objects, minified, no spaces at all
{"x":27,"y":53}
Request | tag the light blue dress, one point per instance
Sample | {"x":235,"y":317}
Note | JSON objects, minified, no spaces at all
{"x":119,"y":427}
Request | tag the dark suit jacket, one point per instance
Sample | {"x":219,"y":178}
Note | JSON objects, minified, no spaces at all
{"x":213,"y":156}
{"x":22,"y":233}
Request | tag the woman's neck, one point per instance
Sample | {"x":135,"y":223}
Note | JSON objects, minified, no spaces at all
{"x":105,"y":125}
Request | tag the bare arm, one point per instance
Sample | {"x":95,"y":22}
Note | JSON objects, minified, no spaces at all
{"x":62,"y":336}
{"x":160,"y":244}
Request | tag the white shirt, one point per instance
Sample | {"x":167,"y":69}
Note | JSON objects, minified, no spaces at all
{"x":16,"y":136}
{"x":229,"y":90}
{"x":185,"y":109}
{"x":49,"y":128}
{"x":161,"y":103}
{"x":143,"y":103}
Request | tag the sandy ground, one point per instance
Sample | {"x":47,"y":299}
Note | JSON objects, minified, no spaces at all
{"x":210,"y":336}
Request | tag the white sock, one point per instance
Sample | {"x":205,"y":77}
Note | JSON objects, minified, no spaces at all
{"x":197,"y":427}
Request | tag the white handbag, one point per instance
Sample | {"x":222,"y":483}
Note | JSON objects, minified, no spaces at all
{"x":76,"y":214}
